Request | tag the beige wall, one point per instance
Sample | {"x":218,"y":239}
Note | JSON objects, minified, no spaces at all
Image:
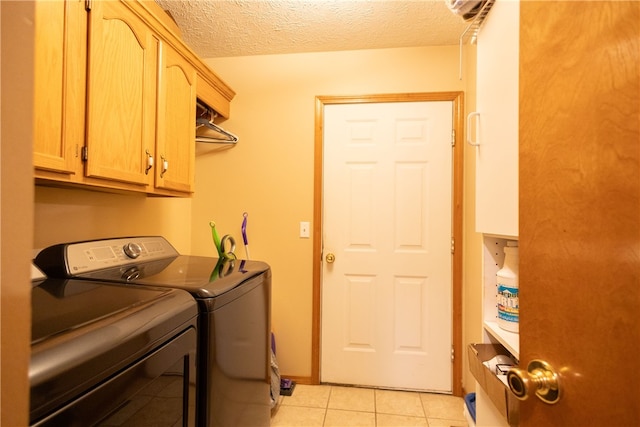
{"x":65,"y":215}
{"x":270,"y":172}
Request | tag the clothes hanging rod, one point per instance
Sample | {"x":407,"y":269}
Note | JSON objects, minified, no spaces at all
{"x":205,"y":120}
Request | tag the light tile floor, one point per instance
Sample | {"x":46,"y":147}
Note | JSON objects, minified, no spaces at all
{"x":338,"y":406}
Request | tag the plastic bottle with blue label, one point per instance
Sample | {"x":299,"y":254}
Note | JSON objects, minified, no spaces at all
{"x":508,"y":290}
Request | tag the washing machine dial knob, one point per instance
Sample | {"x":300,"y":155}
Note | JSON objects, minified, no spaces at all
{"x":132,"y":250}
{"x":131,"y":274}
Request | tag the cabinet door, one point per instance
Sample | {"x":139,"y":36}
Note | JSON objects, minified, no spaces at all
{"x":175,"y":148}
{"x":497,"y":103}
{"x":121,"y":92}
{"x":60,"y":29}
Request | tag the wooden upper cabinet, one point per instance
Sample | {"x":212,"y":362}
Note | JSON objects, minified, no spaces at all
{"x":115,"y":91}
{"x":59,"y":63}
{"x":175,"y":149}
{"x":121,"y":94}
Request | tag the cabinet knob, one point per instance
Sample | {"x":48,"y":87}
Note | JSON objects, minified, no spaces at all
{"x":539,"y":379}
{"x":149,"y":162}
{"x":165,"y":166}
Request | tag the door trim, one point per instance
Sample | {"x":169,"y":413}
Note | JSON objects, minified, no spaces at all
{"x":457,"y":186}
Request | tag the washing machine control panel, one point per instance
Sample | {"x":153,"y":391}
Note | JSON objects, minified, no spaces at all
{"x":83,"y":257}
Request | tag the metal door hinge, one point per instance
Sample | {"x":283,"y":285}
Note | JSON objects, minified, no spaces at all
{"x":453,"y":354}
{"x":85,"y":153}
{"x":87,"y":5}
{"x":453,"y":137}
{"x":453,"y":245}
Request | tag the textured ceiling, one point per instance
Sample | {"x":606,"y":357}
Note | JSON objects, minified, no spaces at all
{"x":221,"y":28}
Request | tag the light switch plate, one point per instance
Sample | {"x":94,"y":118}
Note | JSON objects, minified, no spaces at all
{"x":304,"y":230}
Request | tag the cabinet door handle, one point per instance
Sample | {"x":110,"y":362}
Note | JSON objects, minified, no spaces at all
{"x":149,"y":162}
{"x":165,"y":166}
{"x":468,"y":130}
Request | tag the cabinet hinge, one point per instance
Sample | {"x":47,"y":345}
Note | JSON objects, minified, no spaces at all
{"x":453,"y":137}
{"x":87,"y":5}
{"x":85,"y":153}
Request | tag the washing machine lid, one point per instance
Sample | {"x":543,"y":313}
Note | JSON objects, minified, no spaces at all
{"x":149,"y":261}
{"x":83,"y":332}
{"x":60,"y":307}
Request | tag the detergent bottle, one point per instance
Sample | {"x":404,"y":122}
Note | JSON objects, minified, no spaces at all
{"x":507,"y":289}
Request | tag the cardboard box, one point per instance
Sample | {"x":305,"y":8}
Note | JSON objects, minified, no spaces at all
{"x":498,"y":392}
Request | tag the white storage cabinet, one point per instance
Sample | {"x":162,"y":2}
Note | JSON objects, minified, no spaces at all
{"x":496,"y":136}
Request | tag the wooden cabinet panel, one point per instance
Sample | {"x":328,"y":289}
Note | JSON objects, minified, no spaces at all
{"x":59,"y":62}
{"x":175,"y":149}
{"x":121,"y":94}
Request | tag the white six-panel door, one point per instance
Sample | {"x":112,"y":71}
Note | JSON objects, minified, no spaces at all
{"x":387,"y":297}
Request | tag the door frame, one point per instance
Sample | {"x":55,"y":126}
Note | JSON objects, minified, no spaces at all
{"x":456,"y":210}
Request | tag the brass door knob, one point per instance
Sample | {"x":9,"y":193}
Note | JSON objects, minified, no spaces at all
{"x":539,"y":379}
{"x":330,"y":258}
